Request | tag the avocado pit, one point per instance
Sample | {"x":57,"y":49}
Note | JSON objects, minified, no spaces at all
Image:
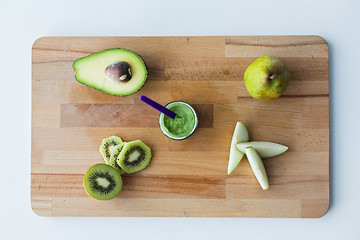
{"x":118,"y":72}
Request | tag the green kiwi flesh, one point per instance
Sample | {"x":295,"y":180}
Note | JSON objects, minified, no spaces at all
{"x":103,"y":182}
{"x":107,"y":147}
{"x":134,"y":156}
{"x":114,"y":156}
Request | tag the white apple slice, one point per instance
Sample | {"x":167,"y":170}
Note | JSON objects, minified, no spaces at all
{"x":257,"y":166}
{"x":240,"y":135}
{"x":264,"y":149}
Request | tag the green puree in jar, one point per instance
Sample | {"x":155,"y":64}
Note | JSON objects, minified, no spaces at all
{"x":183,"y":123}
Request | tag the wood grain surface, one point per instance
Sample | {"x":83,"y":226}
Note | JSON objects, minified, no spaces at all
{"x":185,"y":178}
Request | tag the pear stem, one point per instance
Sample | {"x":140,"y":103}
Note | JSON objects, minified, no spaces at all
{"x":273,"y":76}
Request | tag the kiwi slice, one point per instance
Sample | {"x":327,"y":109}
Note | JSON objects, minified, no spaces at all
{"x":114,"y":156}
{"x":134,"y":156}
{"x":103,"y":182}
{"x":107,"y":147}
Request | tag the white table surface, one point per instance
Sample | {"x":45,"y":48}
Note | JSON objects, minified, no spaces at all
{"x":22,"y":22}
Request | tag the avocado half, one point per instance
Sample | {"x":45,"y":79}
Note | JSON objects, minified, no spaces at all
{"x":105,"y":71}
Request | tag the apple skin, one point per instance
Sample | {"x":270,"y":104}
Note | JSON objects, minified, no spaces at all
{"x":266,"y":78}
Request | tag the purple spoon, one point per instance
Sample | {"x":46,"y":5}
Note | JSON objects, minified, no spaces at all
{"x":158,"y":106}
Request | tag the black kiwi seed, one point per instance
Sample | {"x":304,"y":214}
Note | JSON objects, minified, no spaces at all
{"x":140,"y":158}
{"x":134,"y":156}
{"x":103,"y":182}
{"x":94,"y":184}
{"x":106,"y":147}
{"x":114,"y":156}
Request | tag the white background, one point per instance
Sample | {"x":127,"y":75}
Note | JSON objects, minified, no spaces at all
{"x":22,"y":22}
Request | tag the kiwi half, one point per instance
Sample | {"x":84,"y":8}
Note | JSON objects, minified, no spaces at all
{"x":114,"y":156}
{"x":107,"y":147}
{"x":103,"y":182}
{"x":134,"y":156}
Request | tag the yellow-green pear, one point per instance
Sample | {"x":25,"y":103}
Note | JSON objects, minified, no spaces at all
{"x":266,"y":78}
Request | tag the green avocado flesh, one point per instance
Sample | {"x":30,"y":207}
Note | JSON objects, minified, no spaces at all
{"x":90,"y":70}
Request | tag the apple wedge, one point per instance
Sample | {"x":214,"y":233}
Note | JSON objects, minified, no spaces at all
{"x":240,"y":135}
{"x":264,"y":149}
{"x":257,"y":166}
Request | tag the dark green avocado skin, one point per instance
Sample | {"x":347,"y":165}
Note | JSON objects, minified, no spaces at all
{"x":92,"y":57}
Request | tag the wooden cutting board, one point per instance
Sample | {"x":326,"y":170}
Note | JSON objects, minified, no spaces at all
{"x":185,"y":178}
